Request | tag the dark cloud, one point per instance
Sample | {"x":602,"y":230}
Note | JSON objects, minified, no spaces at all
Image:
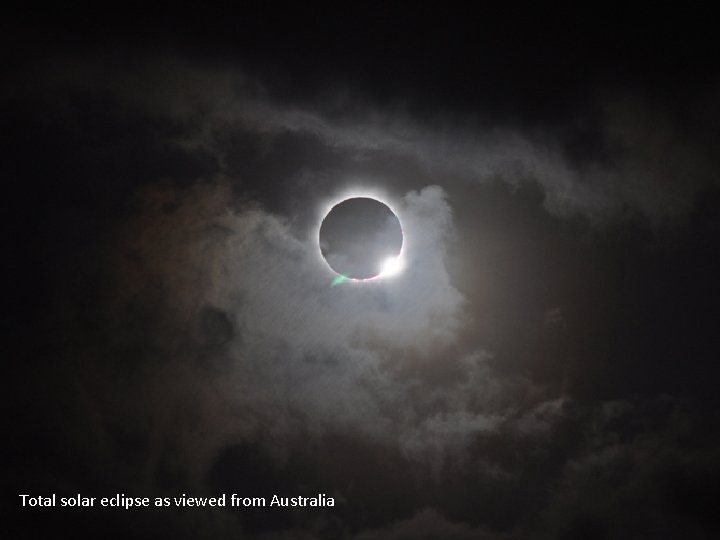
{"x":624,"y":152}
{"x":543,"y":368}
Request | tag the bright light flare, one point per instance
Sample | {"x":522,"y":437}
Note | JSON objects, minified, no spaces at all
{"x":391,"y":266}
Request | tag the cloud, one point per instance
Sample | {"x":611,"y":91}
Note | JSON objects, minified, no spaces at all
{"x":428,"y":524}
{"x":233,"y":288}
{"x":210,"y":348}
{"x":625,"y":153}
{"x":215,"y":289}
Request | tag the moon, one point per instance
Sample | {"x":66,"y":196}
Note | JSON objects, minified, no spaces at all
{"x":361,"y":239}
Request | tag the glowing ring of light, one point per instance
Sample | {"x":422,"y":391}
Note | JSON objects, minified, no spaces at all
{"x":392,"y":266}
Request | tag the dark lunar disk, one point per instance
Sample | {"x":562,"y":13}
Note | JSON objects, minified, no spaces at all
{"x":358,"y":236}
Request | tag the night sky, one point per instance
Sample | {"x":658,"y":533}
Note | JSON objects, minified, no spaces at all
{"x":546,"y":365}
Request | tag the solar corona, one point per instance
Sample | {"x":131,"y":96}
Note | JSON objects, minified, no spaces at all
{"x":361,"y":240}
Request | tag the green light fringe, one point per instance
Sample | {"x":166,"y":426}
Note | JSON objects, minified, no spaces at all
{"x":338,"y":280}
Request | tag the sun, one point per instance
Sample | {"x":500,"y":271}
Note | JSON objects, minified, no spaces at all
{"x":361,"y":239}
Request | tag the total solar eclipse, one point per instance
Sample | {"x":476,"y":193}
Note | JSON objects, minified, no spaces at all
{"x":361,"y":239}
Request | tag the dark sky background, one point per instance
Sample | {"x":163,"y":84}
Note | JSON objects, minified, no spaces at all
{"x":545,"y":367}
